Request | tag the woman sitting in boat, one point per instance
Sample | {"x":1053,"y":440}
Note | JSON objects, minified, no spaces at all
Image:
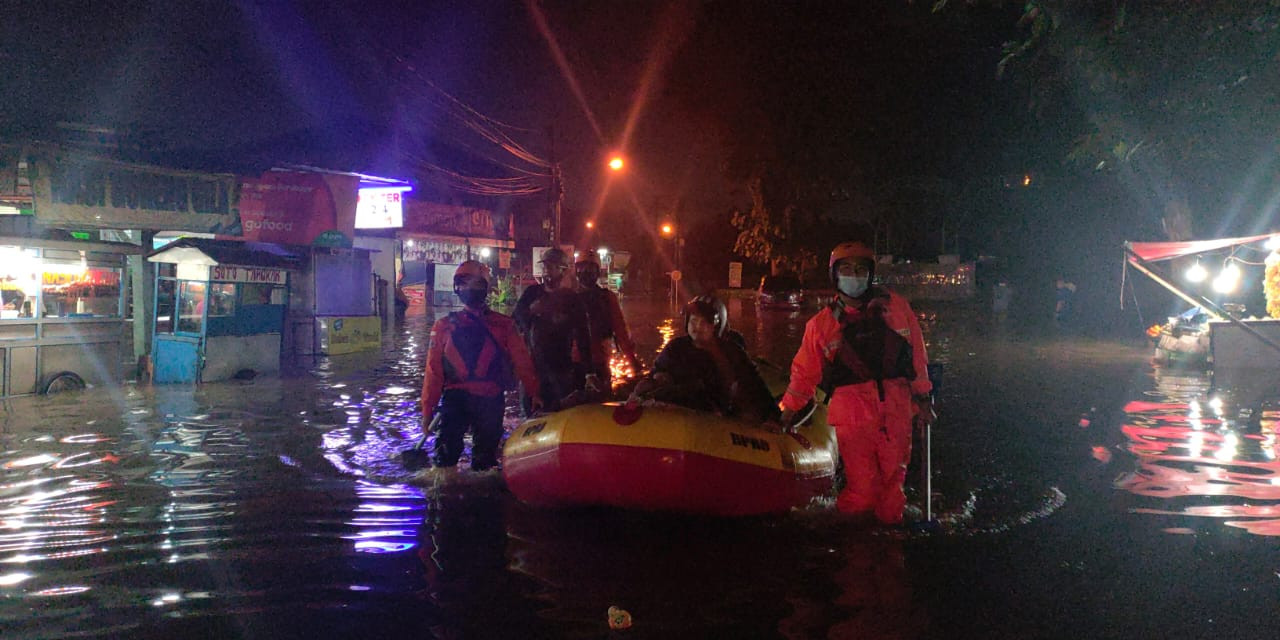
{"x":707,"y":369}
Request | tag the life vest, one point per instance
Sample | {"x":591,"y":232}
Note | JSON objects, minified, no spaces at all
{"x":472,"y":354}
{"x":599,"y":314}
{"x":869,"y":349}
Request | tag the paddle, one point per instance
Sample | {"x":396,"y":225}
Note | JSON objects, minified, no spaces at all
{"x":929,"y":524}
{"x":417,"y":457}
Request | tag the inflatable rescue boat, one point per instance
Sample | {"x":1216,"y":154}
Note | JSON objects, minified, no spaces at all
{"x":667,"y":458}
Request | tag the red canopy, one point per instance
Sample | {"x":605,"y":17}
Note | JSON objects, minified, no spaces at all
{"x":1156,"y":251}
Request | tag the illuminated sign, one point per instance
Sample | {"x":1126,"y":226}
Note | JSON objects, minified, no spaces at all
{"x":380,"y":208}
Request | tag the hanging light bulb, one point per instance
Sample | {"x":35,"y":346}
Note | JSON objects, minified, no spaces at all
{"x":1197,"y":272}
{"x":1228,"y":279}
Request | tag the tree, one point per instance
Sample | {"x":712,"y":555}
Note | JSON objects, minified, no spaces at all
{"x":773,"y":231}
{"x":1175,"y":99}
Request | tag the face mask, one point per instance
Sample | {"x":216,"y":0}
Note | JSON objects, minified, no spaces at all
{"x":473,"y":297}
{"x":852,"y":286}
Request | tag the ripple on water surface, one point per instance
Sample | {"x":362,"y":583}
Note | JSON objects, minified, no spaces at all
{"x":1207,"y":456}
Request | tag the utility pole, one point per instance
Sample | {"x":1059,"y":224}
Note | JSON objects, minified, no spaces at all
{"x":557,"y":187}
{"x":557,"y":203}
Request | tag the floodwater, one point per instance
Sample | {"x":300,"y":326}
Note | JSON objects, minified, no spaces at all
{"x":1081,"y":493}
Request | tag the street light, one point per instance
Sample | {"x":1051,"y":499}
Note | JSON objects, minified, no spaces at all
{"x":616,"y":163}
{"x":668,"y":230}
{"x":591,"y":224}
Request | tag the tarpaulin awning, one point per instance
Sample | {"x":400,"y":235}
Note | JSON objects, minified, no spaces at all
{"x":1156,"y":251}
{"x":1142,"y":254}
{"x":215,"y":252}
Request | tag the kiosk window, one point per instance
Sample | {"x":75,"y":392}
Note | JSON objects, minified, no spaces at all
{"x":260,"y":293}
{"x":191,"y":301}
{"x":164,"y":306}
{"x":222,"y":299}
{"x":73,"y":291}
{"x":19,"y":282}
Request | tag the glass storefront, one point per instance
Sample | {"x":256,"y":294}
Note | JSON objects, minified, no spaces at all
{"x":56,"y":283}
{"x":62,"y":312}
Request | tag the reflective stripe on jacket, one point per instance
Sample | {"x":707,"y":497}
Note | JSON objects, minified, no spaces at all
{"x":446,"y":367}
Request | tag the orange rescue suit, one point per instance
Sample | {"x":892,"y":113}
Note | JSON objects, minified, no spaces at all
{"x":449,"y":368}
{"x":871,"y":418}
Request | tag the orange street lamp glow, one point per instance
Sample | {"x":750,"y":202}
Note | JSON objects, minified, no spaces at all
{"x":667,"y":229}
{"x":615,"y":163}
{"x":591,"y":225}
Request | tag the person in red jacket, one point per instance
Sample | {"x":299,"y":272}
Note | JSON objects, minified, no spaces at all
{"x":866,"y":351}
{"x":469,"y":365}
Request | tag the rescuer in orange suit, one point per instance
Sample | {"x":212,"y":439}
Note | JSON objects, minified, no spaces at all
{"x":470,"y":364}
{"x":866,"y":351}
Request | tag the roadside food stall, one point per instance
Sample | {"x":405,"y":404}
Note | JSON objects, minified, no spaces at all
{"x":62,"y":322}
{"x":220,"y":308}
{"x":1235,"y":343}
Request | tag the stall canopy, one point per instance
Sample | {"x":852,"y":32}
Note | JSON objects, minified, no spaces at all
{"x":1141,"y":255}
{"x":215,"y":252}
{"x":1157,"y":251}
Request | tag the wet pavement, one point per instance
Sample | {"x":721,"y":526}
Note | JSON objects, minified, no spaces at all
{"x":1081,"y":493}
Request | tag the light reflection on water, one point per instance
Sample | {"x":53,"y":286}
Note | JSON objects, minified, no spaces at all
{"x":1196,"y":447}
{"x":124,"y":511}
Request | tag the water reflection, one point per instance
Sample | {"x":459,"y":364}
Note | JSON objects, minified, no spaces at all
{"x":1214,"y":451}
{"x":227,"y":510}
{"x":387,"y":519}
{"x":692,"y":577}
{"x":869,"y":595}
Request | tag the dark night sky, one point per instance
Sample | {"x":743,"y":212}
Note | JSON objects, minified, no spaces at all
{"x":860,"y":91}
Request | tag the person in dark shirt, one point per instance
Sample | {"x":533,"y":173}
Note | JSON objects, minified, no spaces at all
{"x":708,"y":370}
{"x":555,"y":326}
{"x":608,"y":325}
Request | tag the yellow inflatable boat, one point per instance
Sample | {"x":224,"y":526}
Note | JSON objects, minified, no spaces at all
{"x":668,"y":458}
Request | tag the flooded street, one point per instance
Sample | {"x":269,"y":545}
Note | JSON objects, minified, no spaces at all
{"x":1082,"y":495}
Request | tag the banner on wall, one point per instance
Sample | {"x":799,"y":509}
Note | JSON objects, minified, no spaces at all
{"x":349,"y":334}
{"x":80,"y":190}
{"x":435,"y":218}
{"x":295,"y":207}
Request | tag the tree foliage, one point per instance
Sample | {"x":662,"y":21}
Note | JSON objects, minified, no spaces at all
{"x":1175,"y":98}
{"x":775,"y":230}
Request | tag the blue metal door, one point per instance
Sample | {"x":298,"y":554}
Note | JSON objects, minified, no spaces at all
{"x":176,"y":358}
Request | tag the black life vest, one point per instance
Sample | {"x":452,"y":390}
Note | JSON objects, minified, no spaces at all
{"x":596,"y":300}
{"x":869,"y":349}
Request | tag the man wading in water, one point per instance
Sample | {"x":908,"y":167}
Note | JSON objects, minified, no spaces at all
{"x":469,"y":366}
{"x":866,"y":350}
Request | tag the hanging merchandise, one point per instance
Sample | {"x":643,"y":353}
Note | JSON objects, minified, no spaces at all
{"x":1271,"y":284}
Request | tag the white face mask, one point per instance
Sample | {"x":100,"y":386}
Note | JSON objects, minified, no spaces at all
{"x":852,"y":286}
